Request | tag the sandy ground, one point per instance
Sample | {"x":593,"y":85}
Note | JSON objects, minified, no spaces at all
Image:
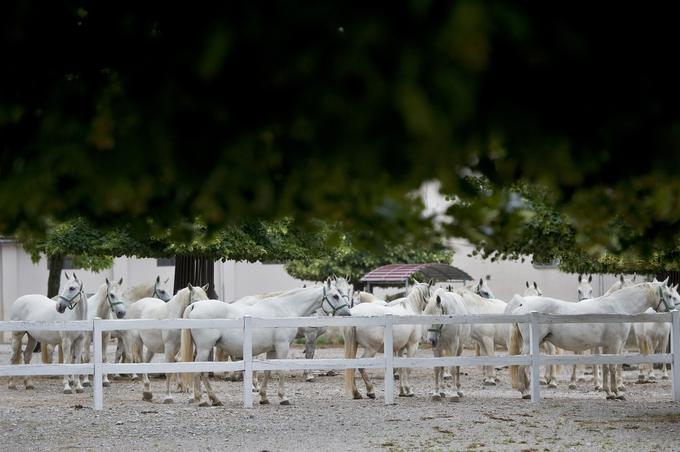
{"x":322,"y":417}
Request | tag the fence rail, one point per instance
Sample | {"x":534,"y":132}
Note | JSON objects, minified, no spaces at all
{"x":388,"y":362}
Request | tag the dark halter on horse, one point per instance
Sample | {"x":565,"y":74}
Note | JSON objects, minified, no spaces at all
{"x":71,"y":304}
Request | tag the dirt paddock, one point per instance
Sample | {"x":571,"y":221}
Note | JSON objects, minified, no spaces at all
{"x":322,"y":417}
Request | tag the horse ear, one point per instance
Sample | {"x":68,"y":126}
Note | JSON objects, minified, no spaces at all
{"x":526,"y":283}
{"x":158,"y":279}
{"x":621,"y":278}
{"x":665,"y":281}
{"x":107,"y":281}
{"x":67,"y":277}
{"x":348,"y":278}
{"x":75,"y":277}
{"x":190,"y":287}
{"x":206,"y":287}
{"x":535,"y":285}
{"x":579,"y":278}
{"x":430,"y":282}
{"x":481,"y":281}
{"x":590,"y":278}
{"x":120,"y":281}
{"x":439,"y":300}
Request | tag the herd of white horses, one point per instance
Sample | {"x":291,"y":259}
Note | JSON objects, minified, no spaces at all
{"x":336,"y":297}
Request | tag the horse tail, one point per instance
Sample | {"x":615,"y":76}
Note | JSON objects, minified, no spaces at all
{"x":187,"y":347}
{"x":350,"y":335}
{"x":514,"y":349}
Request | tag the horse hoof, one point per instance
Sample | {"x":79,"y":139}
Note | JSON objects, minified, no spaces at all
{"x":310,"y":379}
{"x":68,"y":391}
{"x":357,"y":396}
{"x":146,"y":395}
{"x":135,"y":378}
{"x":203,"y":404}
{"x":572,"y":385}
{"x":489,"y":383}
{"x":447,"y":377}
{"x":454,"y":399}
{"x":460,"y":393}
{"x":80,"y":390}
{"x":526,"y":396}
{"x":216,"y":403}
{"x":436,"y":398}
{"x":611,"y":397}
{"x":598,"y":388}
{"x":552,"y":385}
{"x":106,"y":384}
{"x":621,"y":388}
{"x":86,"y":384}
{"x":542,"y":382}
{"x":371,"y":395}
{"x":331,"y":373}
{"x":168,"y":400}
{"x":620,"y":397}
{"x":665,"y":377}
{"x":284,"y":402}
{"x":264,"y":402}
{"x":497,"y":380}
{"x":30,"y":386}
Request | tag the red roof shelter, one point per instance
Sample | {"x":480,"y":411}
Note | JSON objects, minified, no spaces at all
{"x":395,"y":275}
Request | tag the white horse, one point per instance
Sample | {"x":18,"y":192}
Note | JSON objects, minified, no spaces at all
{"x":370,"y":338}
{"x":481,"y":288}
{"x":652,"y":337}
{"x":584,"y":291}
{"x":275,"y":342}
{"x":446,"y":339}
{"x":106,"y":301}
{"x":126,"y":347}
{"x":485,"y":334}
{"x":71,"y":305}
{"x":582,"y":336}
{"x":165,"y":341}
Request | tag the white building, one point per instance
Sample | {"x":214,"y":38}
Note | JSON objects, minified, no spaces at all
{"x":20,"y":276}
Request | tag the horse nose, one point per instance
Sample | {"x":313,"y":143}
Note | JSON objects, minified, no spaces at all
{"x":120,"y":314}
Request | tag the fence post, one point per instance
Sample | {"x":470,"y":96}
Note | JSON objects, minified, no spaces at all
{"x":389,"y":361}
{"x":675,"y":350}
{"x":535,"y":353}
{"x":97,"y":379}
{"x":247,"y":361}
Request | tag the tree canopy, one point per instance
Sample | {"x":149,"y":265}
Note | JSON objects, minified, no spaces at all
{"x":150,"y":115}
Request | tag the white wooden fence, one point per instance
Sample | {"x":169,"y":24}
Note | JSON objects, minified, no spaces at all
{"x":388,"y":362}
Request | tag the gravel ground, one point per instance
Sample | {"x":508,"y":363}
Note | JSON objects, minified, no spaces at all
{"x":322,"y":417}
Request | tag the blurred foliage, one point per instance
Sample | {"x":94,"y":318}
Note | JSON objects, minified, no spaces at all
{"x":347,"y":260}
{"x":147,"y":115}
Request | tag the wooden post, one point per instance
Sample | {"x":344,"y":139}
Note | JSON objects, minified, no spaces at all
{"x":389,"y":361}
{"x":675,"y":350}
{"x":535,"y":353}
{"x":97,"y":385}
{"x":248,"y":362}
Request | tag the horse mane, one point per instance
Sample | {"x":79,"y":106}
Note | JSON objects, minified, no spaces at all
{"x":138,"y":292}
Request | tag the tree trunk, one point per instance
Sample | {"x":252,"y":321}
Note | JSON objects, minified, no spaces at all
{"x":56,"y":264}
{"x":195,"y":270}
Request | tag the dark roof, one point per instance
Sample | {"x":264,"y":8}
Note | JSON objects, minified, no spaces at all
{"x":399,"y":273}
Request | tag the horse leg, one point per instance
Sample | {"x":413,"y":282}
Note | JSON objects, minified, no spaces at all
{"x":86,"y":357}
{"x":170,"y":354}
{"x":66,"y":344}
{"x":136,"y":350}
{"x":642,"y":347}
{"x":651,"y":343}
{"x":310,"y":348}
{"x":370,"y":391}
{"x":661,"y":348}
{"x":106,"y":337}
{"x":551,"y":380}
{"x":411,"y":349}
{"x":487,"y":349}
{"x":263,"y":388}
{"x":438,"y":392}
{"x":77,"y":355}
{"x":28,"y":355}
{"x":146,"y":393}
{"x":206,"y":382}
{"x":572,"y":380}
{"x":17,"y":337}
{"x":598,"y":371}
{"x":281,"y":352}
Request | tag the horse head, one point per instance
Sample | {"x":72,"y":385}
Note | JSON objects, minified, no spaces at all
{"x":160,"y":289}
{"x":584,"y":289}
{"x":333,"y":302}
{"x":70,"y":295}
{"x":113,"y":296}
